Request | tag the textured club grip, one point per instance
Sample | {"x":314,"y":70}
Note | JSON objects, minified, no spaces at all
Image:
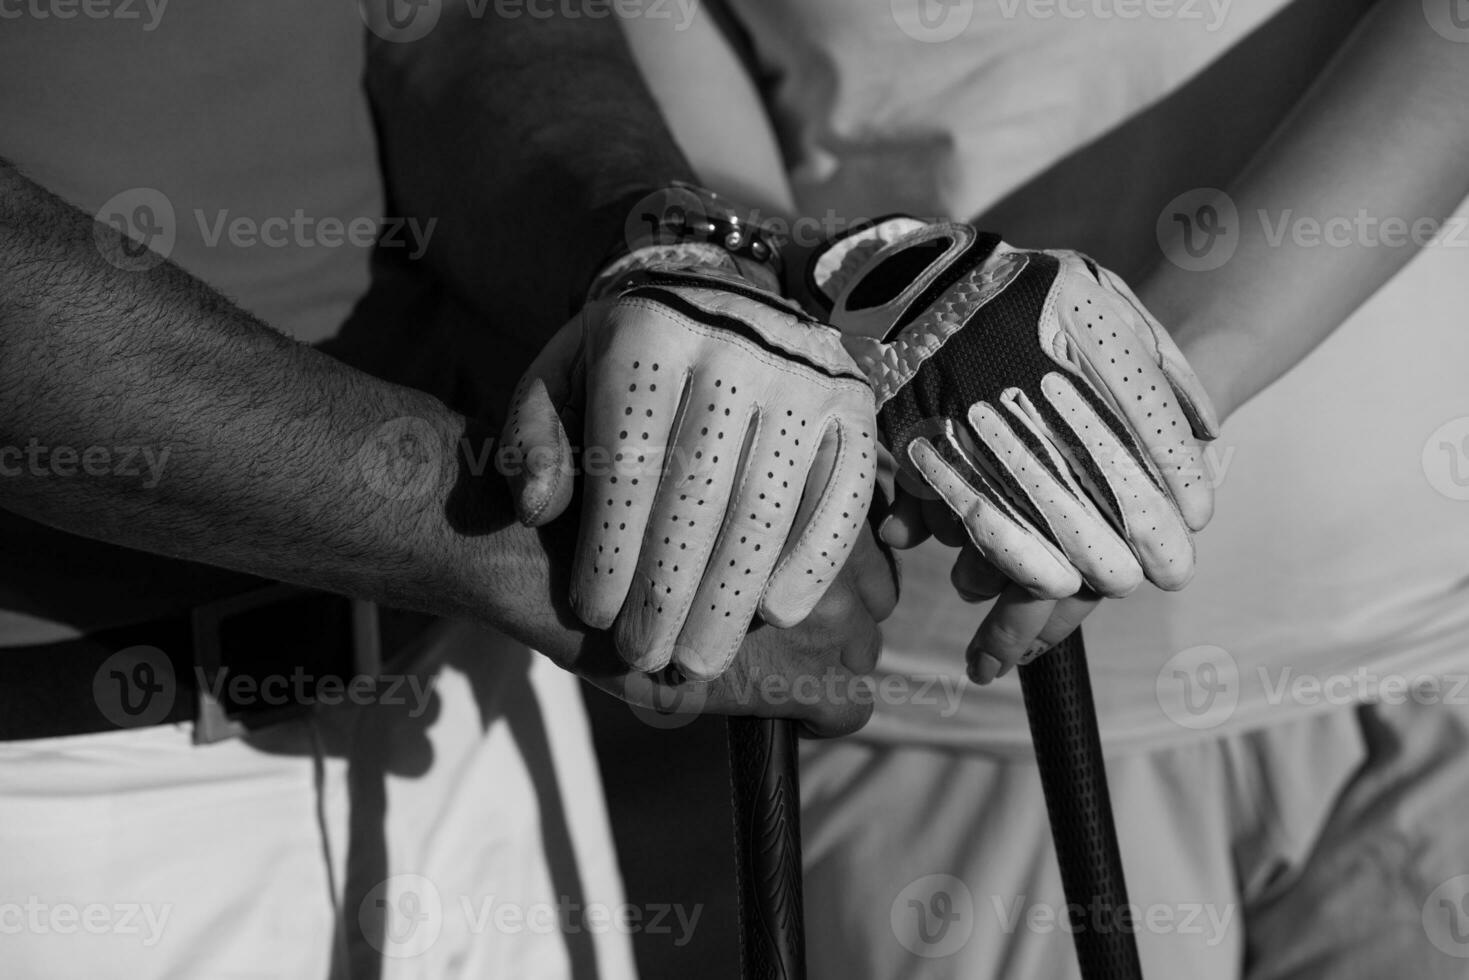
{"x":1068,"y":750}
{"x":767,"y":805}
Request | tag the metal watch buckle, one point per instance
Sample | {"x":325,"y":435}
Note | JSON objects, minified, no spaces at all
{"x":211,"y":722}
{"x":692,"y":213}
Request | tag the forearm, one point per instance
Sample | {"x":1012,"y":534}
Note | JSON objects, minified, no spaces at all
{"x":529,"y":139}
{"x":142,"y":409}
{"x":1383,"y":134}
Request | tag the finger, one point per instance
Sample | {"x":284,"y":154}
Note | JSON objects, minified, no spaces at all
{"x":974,"y":577}
{"x":904,"y":526}
{"x":1007,"y":635}
{"x":633,"y":403}
{"x":872,"y":574}
{"x":1108,"y":345}
{"x":1000,"y":533}
{"x":1037,"y":472}
{"x":1145,"y":515}
{"x":755,"y":526}
{"x":686,"y":520}
{"x":833,"y":510}
{"x":1065,"y":618}
{"x":944,"y":524}
{"x":541,"y":476}
{"x":804,"y":674}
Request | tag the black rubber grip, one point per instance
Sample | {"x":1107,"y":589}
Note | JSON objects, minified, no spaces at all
{"x":765,"y":784}
{"x":1068,"y":750}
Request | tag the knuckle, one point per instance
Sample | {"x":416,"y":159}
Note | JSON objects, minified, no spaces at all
{"x":1004,"y":641}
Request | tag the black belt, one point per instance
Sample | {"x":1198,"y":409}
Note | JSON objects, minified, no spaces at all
{"x":229,"y":666}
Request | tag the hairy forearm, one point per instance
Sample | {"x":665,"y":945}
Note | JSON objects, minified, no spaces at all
{"x":141,"y":408}
{"x":529,"y":139}
{"x":1383,"y":134}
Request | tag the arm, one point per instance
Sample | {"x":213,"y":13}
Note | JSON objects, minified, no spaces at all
{"x":529,"y":139}
{"x":261,"y":455}
{"x":1385,"y":131}
{"x":533,"y":141}
{"x":278,"y":461}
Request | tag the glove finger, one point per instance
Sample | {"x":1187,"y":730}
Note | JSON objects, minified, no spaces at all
{"x":1039,"y":475}
{"x":1144,"y":513}
{"x":631,"y":412}
{"x":1106,"y":344}
{"x":762,"y":510}
{"x":1186,"y":384}
{"x":995,"y":527}
{"x":542,"y":476}
{"x":685,"y":522}
{"x":836,"y":490}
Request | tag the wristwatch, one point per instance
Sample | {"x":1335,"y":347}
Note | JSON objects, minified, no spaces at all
{"x":686,"y":225}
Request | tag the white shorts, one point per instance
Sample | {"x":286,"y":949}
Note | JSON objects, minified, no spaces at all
{"x":443,"y":837}
{"x":1330,"y":848}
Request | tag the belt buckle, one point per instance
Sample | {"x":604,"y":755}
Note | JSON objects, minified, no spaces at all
{"x":212,"y":723}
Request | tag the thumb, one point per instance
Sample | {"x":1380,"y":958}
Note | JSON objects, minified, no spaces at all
{"x":542,"y":474}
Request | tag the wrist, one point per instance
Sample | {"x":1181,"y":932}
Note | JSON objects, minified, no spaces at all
{"x":1211,"y":339}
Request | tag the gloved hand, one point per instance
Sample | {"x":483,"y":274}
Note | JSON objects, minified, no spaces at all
{"x":1032,"y":393}
{"x":728,"y":457}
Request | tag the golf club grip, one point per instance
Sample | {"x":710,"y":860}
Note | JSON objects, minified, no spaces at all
{"x":767,"y":806}
{"x":1068,"y":750}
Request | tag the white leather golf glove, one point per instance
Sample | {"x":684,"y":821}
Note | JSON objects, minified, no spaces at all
{"x":728,"y":456}
{"x":1034,"y":394}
